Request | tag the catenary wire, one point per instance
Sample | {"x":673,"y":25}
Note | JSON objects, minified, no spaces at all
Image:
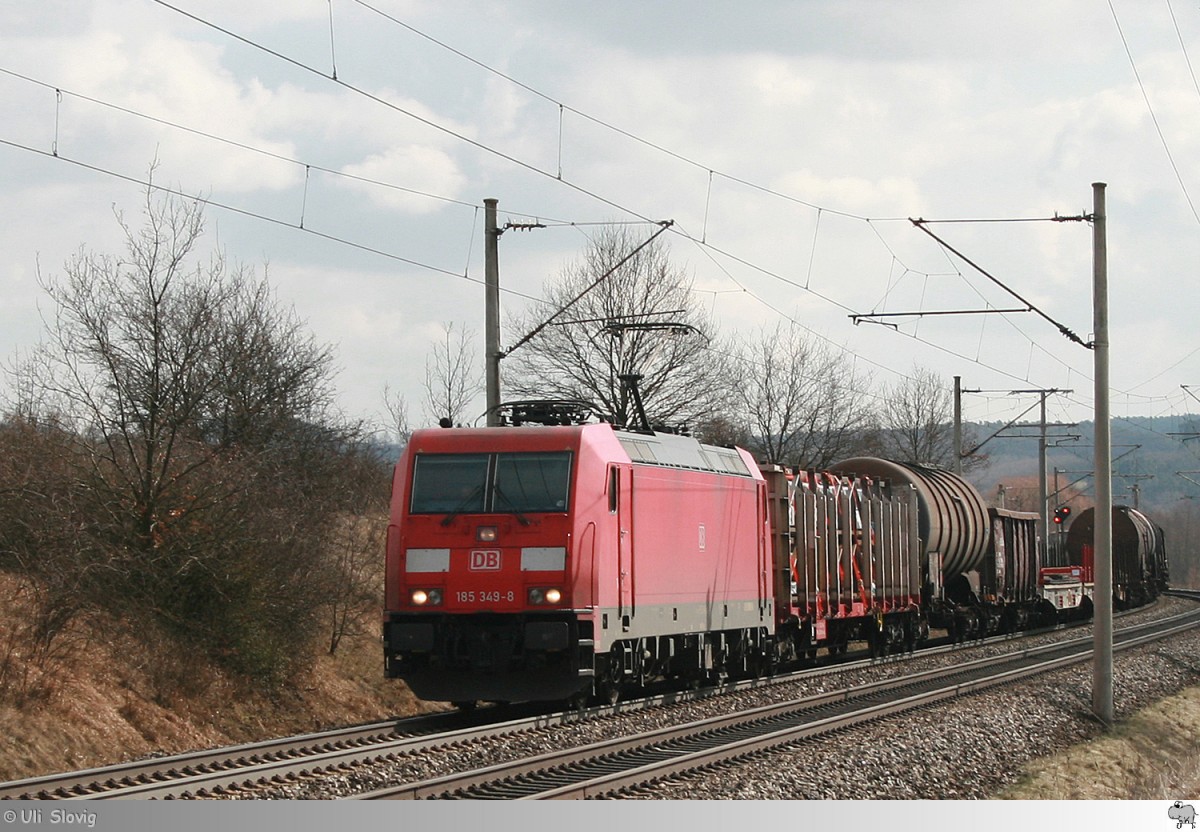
{"x":517,"y":161}
{"x":255,"y":215}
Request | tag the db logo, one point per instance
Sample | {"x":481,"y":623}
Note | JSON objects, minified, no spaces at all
{"x":484,"y":560}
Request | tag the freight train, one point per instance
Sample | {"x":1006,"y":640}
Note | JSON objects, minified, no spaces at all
{"x":564,"y":561}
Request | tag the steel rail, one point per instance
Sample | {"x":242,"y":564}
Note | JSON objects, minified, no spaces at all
{"x":604,"y":767}
{"x":89,"y":782}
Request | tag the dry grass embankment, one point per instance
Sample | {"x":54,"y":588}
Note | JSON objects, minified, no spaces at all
{"x":108,"y":697}
{"x":1155,"y":752}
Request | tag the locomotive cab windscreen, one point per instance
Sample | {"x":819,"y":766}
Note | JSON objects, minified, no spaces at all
{"x":499,"y":483}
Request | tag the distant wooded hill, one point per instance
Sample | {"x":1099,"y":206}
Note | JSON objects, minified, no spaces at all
{"x":1149,"y":454}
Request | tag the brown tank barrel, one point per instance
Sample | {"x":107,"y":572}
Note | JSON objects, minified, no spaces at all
{"x":951,"y":516}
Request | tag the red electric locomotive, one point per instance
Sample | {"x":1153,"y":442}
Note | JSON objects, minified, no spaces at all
{"x":554,"y":562}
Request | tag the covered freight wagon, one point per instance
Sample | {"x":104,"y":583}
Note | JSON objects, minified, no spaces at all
{"x":1139,"y":559}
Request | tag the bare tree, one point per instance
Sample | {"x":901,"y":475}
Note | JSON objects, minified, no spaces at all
{"x":453,"y":379}
{"x":396,"y":406}
{"x":357,"y":501}
{"x":46,"y":565}
{"x":268,"y":369}
{"x":722,"y":429}
{"x":642,"y":319}
{"x":916,"y":422}
{"x":802,"y":403}
{"x":192,"y":418}
{"x":128,"y":360}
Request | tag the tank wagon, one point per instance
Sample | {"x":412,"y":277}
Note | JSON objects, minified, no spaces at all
{"x":557,"y":562}
{"x":979,"y":565}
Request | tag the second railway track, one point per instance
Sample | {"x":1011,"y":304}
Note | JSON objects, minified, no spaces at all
{"x":607,"y":767}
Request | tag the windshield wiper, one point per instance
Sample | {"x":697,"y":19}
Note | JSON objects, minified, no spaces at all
{"x":462,"y":506}
{"x":511,"y":505}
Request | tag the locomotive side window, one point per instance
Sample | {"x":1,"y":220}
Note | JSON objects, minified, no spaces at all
{"x":449,"y":483}
{"x":502,"y":483}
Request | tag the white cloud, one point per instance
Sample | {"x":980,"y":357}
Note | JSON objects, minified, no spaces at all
{"x":879,"y":109}
{"x":420,"y":168}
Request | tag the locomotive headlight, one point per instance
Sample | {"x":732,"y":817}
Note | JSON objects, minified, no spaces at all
{"x":426,"y":597}
{"x":485,"y":534}
{"x":539,"y":596}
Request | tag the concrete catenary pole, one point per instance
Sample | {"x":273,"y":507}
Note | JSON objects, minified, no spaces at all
{"x":1043,"y":497}
{"x":1102,"y":629}
{"x":491,"y":333}
{"x":958,"y":425}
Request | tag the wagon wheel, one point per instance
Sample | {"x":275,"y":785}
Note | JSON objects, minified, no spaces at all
{"x":910,"y":635}
{"x":767,"y":662}
{"x":608,"y":686}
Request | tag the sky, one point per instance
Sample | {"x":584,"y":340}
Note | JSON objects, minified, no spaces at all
{"x":346,"y":146}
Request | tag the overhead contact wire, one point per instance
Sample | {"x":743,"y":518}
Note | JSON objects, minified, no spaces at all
{"x":254,"y":215}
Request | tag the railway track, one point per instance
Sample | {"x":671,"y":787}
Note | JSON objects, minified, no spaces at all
{"x":236,"y":768}
{"x":146,"y":776}
{"x":608,"y":767}
{"x":240,"y":770}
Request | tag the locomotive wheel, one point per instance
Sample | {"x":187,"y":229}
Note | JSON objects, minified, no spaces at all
{"x":611,"y":693}
{"x":608,"y":686}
